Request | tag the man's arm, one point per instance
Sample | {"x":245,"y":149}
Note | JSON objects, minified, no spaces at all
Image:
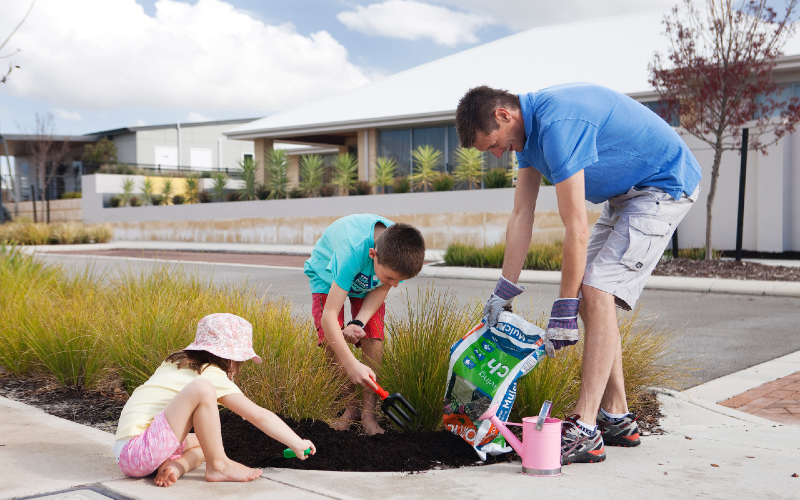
{"x":520,"y":224}
{"x":571,"y":195}
{"x":359,"y":373}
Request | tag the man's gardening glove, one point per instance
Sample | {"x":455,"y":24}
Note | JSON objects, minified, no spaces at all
{"x":503,"y":293}
{"x":563,"y":327}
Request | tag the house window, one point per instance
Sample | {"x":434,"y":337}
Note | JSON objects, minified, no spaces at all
{"x":248,"y":155}
{"x":431,"y":136}
{"x":396,"y":144}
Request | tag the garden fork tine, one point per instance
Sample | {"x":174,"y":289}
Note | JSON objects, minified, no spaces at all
{"x":390,"y":402}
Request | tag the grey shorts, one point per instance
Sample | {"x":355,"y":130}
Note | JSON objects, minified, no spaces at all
{"x":629,"y":239}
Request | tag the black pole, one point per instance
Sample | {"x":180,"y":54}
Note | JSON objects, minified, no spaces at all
{"x":675,"y":246}
{"x":33,"y":201}
{"x":742,"y":175}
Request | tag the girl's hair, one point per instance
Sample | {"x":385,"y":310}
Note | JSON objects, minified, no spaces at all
{"x":198,"y":360}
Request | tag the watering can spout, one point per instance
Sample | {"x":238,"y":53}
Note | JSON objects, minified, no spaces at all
{"x":491,"y":416}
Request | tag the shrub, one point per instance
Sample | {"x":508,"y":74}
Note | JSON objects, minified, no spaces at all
{"x":167,"y":192}
{"x":127,"y":191}
{"x":263,"y":192}
{"x":362,"y":188}
{"x":147,"y":190}
{"x":277,"y":170}
{"x":297,"y":193}
{"x":71,"y":195}
{"x":497,"y":178}
{"x":114,"y":201}
{"x":204,"y":197}
{"x":250,"y":189}
{"x":192,"y":186}
{"x":220,"y":183}
{"x":426,"y":158}
{"x":345,"y":172}
{"x":541,"y":256}
{"x":232,"y":196}
{"x":34,"y":234}
{"x":469,"y":167}
{"x":100,"y":233}
{"x":402,"y":185}
{"x":178,"y":200}
{"x":156,"y":200}
{"x":135,"y":201}
{"x":443,"y":182}
{"x":312,"y":171}
{"x":69,"y":233}
{"x":327,"y":190}
{"x":385,"y":169}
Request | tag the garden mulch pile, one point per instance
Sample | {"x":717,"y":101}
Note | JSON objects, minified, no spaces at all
{"x":336,"y":451}
{"x":726,"y":269}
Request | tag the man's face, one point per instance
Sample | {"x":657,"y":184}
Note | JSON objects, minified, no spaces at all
{"x":509,"y":137}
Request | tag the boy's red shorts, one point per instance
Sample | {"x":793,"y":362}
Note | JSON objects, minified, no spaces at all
{"x":373,"y":328}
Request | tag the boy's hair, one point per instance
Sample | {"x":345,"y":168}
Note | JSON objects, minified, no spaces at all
{"x":475,"y":112}
{"x":401,"y":248}
{"x":198,"y":360}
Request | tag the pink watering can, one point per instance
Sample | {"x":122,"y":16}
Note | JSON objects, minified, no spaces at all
{"x":540,"y":448}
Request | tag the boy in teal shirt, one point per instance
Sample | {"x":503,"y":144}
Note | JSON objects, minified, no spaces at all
{"x":361,"y":257}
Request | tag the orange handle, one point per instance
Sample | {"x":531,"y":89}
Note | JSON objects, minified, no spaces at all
{"x":379,"y":390}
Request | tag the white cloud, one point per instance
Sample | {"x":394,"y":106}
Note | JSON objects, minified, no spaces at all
{"x":141,"y":123}
{"x":412,"y":20}
{"x":63,"y":114}
{"x":520,"y":15}
{"x":95,"y":54}
{"x":197,"y":117}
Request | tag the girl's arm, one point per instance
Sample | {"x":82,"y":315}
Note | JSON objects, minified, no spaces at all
{"x":268,"y":422}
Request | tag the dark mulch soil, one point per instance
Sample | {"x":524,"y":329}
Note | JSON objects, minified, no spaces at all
{"x":336,"y":451}
{"x":726,"y":269}
{"x":349,"y":451}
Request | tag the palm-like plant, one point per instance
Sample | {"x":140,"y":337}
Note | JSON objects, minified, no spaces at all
{"x":220,"y":183}
{"x":148,"y":189}
{"x":426,"y":158}
{"x":167,"y":192}
{"x":191,"y":194}
{"x":470,"y":166}
{"x":127,"y":191}
{"x":250,"y":189}
{"x":345,"y":172}
{"x":312,"y":168}
{"x":385,"y":169}
{"x":277,"y":167}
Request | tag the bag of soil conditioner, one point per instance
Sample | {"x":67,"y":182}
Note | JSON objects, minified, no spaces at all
{"x":485,"y":365}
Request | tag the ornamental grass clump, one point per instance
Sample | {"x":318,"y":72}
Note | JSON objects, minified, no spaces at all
{"x":541,"y":256}
{"x":69,"y":233}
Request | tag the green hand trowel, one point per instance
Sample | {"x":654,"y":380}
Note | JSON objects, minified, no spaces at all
{"x":288,"y":453}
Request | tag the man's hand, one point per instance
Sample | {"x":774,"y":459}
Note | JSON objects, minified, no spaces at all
{"x":353,"y":333}
{"x":360,"y":374}
{"x":563,"y":327}
{"x":503,"y":293}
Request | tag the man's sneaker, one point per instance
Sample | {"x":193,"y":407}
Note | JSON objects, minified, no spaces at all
{"x":619,"y":431}
{"x":577,"y":447}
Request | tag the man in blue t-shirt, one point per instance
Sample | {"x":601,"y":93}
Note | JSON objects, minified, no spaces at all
{"x":360,"y":257}
{"x":599,"y":145}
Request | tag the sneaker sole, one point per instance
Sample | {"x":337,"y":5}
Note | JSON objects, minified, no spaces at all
{"x":587,"y":457}
{"x":624,"y":441}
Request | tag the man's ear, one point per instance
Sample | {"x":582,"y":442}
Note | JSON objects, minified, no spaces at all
{"x":502,"y":115}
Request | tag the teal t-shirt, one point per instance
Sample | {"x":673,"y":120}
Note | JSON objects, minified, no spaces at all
{"x":341,"y":255}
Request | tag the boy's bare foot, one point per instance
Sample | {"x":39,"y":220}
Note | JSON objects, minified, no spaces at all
{"x":228,"y":470}
{"x":169,"y":472}
{"x":348,"y":418}
{"x":371,"y":427}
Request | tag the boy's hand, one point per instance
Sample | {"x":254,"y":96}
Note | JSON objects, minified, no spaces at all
{"x":361,"y":374}
{"x":353,"y":333}
{"x":300,"y":450}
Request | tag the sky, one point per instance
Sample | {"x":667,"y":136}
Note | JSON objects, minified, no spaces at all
{"x":105,"y":64}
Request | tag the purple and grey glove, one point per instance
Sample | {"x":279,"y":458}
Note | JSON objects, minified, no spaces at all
{"x":563,"y":327}
{"x":503,"y":293}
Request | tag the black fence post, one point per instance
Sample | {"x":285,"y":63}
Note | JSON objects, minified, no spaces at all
{"x":675,"y":246}
{"x":742,"y":175}
{"x":33,"y":201}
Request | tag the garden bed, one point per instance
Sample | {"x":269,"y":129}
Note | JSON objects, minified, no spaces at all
{"x":336,"y":451}
{"x":726,"y":269}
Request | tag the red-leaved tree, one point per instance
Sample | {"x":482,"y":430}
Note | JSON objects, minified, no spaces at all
{"x":717,"y":78}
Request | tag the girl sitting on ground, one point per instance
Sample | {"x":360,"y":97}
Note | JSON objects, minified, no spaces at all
{"x":153,"y":432}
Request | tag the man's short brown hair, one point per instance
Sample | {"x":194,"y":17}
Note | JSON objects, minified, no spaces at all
{"x":475,"y":112}
{"x":401,"y":248}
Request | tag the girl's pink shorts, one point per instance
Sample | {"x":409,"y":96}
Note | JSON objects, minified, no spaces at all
{"x":143,"y":454}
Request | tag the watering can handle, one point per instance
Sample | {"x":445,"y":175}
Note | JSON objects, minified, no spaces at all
{"x":379,"y":390}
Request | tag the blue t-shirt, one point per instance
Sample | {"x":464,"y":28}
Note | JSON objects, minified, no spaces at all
{"x":617,"y":142}
{"x":341,"y":255}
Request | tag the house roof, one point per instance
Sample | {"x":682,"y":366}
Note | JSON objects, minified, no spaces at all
{"x":128,"y":130}
{"x":613,"y":52}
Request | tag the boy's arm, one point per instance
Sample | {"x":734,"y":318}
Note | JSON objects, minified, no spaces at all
{"x":372,"y":302}
{"x":268,"y":422}
{"x":358,"y":372}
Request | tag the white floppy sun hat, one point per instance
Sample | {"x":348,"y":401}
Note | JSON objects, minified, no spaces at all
{"x":225,"y":335}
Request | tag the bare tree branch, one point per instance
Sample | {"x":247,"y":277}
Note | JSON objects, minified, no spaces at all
{"x":12,"y":66}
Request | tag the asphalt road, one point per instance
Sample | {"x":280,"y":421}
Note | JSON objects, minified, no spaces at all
{"x":719,"y":333}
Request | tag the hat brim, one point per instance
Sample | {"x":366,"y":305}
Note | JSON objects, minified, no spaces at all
{"x":247,"y":357}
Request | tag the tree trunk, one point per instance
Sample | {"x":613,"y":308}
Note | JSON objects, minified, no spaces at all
{"x":712,"y":191}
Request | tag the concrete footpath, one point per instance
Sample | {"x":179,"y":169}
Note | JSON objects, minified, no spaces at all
{"x":434,"y":270}
{"x":708,"y":451}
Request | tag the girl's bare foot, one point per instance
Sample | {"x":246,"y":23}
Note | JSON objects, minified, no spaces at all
{"x":371,"y":427}
{"x":228,"y":470}
{"x":169,"y":472}
{"x":348,"y":418}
